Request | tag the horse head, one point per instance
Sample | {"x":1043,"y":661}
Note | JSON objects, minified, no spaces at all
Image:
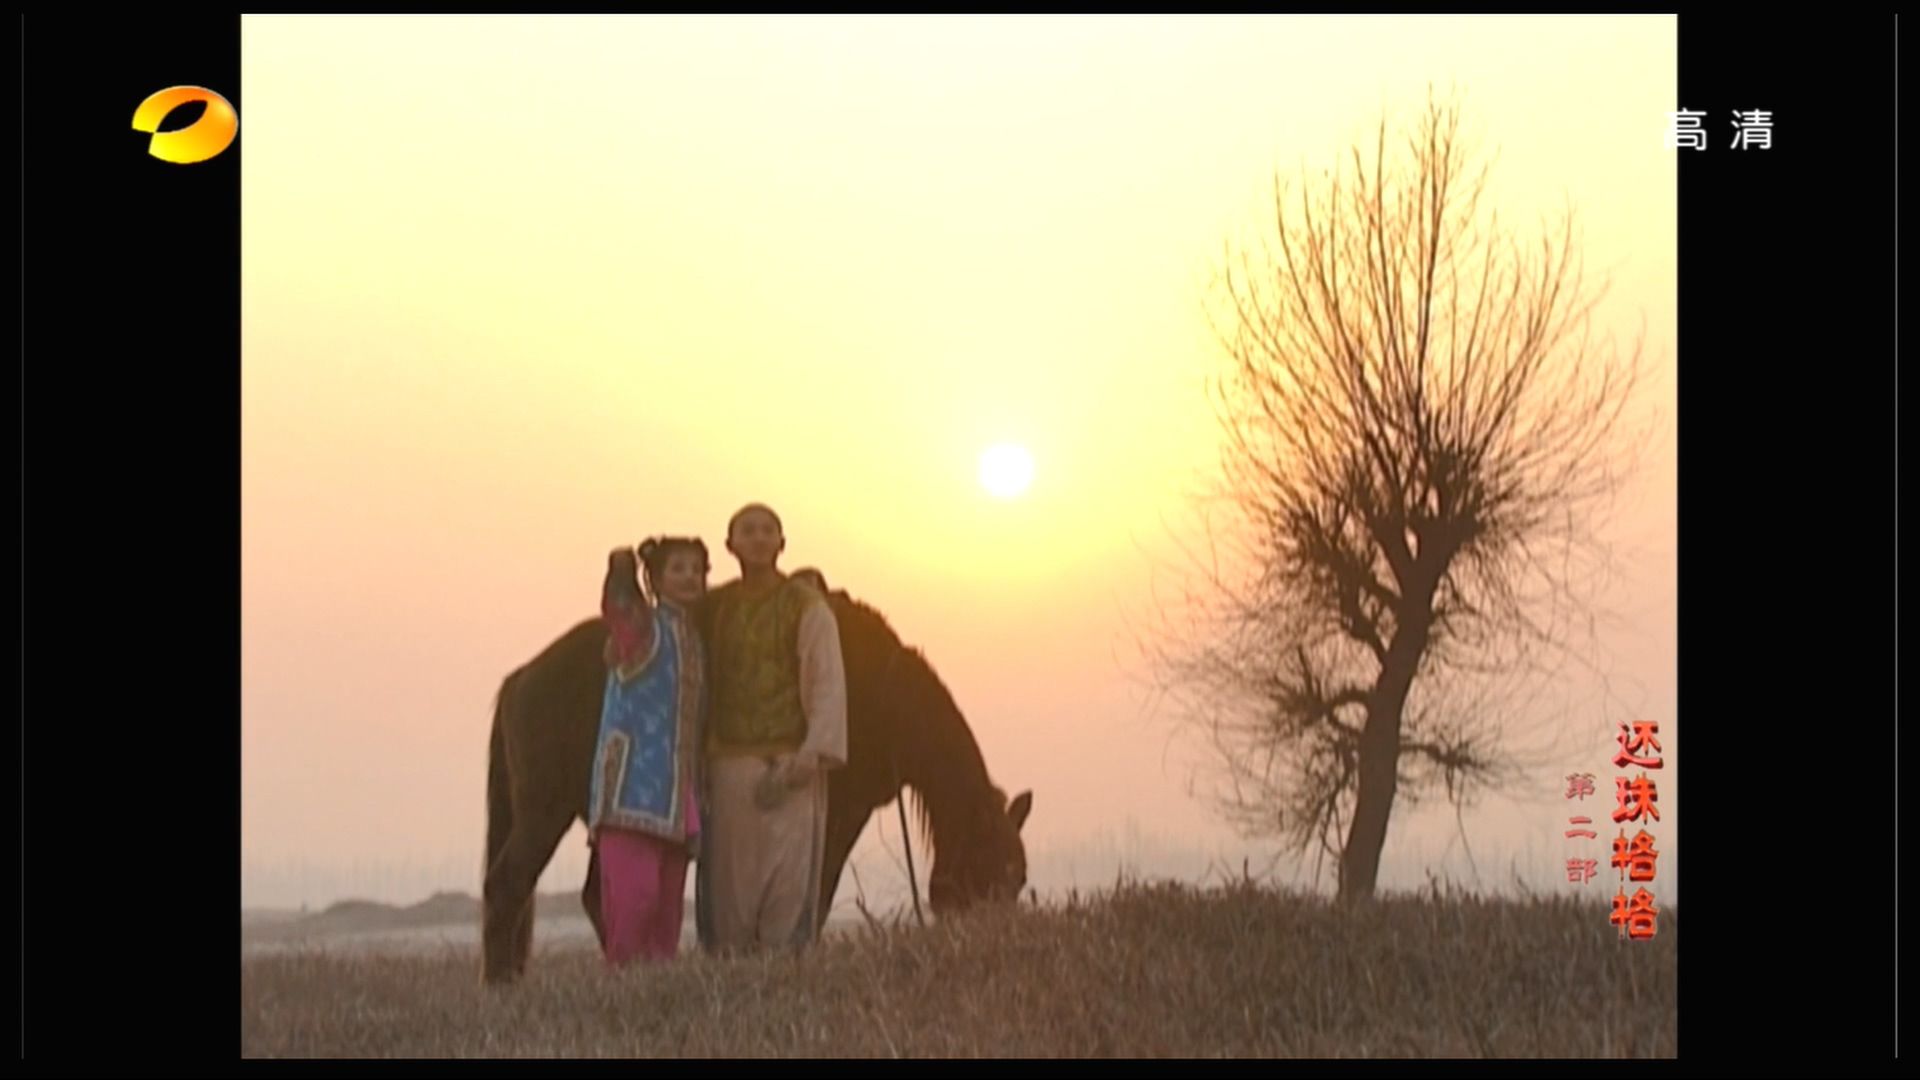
{"x":989,"y":865}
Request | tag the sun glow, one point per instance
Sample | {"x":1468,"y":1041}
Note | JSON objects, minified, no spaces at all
{"x":1006,"y":470}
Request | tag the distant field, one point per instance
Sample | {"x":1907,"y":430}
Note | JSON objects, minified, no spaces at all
{"x":1144,"y":970}
{"x":444,"y":920}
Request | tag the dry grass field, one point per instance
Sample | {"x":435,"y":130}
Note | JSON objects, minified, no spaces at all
{"x":1143,"y":970}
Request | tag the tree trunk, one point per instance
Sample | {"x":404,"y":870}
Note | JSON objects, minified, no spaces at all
{"x":1379,"y":765}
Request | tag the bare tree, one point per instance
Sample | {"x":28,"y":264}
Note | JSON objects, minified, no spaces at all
{"x":1418,"y":431}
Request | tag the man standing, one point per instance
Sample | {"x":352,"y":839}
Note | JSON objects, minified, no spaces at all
{"x":778,"y":723}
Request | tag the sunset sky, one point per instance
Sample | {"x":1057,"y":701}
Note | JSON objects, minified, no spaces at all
{"x":519,"y":290}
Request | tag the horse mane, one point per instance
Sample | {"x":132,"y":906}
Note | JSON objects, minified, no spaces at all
{"x":954,"y":746}
{"x":939,"y":758}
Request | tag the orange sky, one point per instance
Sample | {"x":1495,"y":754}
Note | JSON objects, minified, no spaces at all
{"x":517,"y":290}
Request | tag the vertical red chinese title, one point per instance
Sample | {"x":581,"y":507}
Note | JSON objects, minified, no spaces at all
{"x":1637,"y":804}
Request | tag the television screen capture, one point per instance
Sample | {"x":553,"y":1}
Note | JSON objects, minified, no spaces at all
{"x":959,"y":537}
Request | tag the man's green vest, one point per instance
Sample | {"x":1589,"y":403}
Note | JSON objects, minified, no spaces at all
{"x":753,"y":655}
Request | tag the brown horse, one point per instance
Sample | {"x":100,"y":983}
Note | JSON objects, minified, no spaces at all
{"x":903,"y":729}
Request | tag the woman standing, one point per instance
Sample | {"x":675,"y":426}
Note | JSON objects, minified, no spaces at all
{"x":643,"y":816}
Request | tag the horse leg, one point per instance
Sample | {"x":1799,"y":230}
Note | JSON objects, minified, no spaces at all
{"x":499,"y":824}
{"x":508,"y":893}
{"x":844,"y":824}
{"x":521,"y":944}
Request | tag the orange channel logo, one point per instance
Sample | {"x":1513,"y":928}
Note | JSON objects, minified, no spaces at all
{"x":201,"y":140}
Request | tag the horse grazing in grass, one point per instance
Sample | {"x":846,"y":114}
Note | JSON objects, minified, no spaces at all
{"x":903,"y":730}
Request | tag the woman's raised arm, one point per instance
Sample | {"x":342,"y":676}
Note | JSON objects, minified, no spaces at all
{"x":625,"y":608}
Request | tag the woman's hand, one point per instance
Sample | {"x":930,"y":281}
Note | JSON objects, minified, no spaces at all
{"x":625,"y":609}
{"x":622,"y":588}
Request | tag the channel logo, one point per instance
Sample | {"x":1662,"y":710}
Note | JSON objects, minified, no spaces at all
{"x":202,"y":140}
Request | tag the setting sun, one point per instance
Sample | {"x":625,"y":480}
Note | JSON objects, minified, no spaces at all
{"x":1006,"y":470}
